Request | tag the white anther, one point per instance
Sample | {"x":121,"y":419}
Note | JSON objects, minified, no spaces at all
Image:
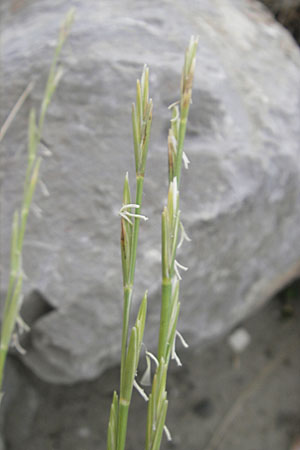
{"x":140,"y":391}
{"x":185,"y":160}
{"x":25,"y":277}
{"x":174,"y":119}
{"x":125,"y":217}
{"x":126,"y":214}
{"x":58,"y":76}
{"x":174,"y":141}
{"x":129,"y":205}
{"x":46,"y":152}
{"x":179,"y":266}
{"x":139,"y":216}
{"x":174,"y":104}
{"x":174,"y":283}
{"x":174,"y":355}
{"x":44,"y":189}
{"x":15,"y":342}
{"x":174,"y":190}
{"x":23,"y":327}
{"x":167,"y":433}
{"x":177,"y":272}
{"x":182,"y":340}
{"x":183,"y":236}
{"x":38,"y":212}
{"x":146,"y":377}
{"x":153,"y":358}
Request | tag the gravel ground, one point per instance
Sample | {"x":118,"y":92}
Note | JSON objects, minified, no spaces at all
{"x":216,"y":400}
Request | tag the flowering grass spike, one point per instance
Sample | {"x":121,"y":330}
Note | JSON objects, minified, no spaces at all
{"x":13,"y":299}
{"x":172,"y":226}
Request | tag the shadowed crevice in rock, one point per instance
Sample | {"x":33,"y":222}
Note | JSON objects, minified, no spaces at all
{"x":35,"y":306}
{"x":287,"y":12}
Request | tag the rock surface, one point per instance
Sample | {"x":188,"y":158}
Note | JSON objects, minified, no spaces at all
{"x":240,"y":197}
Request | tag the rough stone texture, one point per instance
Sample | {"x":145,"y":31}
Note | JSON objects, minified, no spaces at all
{"x":240,"y":197}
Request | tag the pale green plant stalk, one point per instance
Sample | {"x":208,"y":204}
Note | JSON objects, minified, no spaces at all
{"x":130,"y":220}
{"x":158,"y":403}
{"x":13,"y":299}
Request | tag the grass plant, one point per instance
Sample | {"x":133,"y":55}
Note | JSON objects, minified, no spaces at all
{"x":11,"y":314}
{"x":131,"y":215}
{"x":171,"y":227}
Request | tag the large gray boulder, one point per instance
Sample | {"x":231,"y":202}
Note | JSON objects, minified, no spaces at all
{"x":240,"y":197}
